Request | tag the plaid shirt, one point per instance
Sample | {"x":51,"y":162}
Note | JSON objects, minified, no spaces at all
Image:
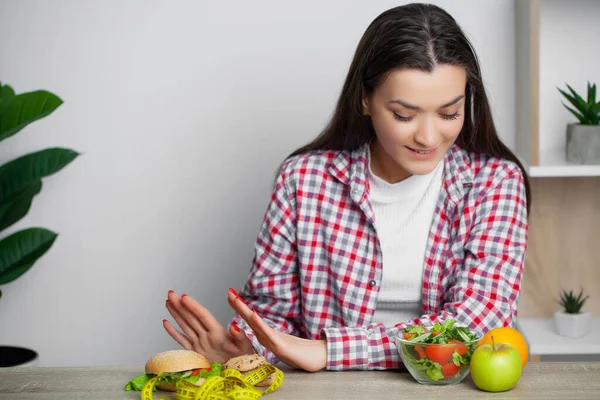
{"x":318,"y":262}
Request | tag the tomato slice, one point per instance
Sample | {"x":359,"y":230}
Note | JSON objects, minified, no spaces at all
{"x":420,"y":351}
{"x":436,"y":334}
{"x":460,"y":347}
{"x":197,"y":370}
{"x":407,"y":336}
{"x":449,"y":370}
{"x":439,"y":353}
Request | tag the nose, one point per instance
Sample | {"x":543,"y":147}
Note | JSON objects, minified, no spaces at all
{"x":426,"y":135}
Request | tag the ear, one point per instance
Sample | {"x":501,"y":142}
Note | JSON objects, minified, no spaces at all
{"x":365,"y":104}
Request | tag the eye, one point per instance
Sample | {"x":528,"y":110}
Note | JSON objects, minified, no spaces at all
{"x":450,"y":116}
{"x":403,"y":119}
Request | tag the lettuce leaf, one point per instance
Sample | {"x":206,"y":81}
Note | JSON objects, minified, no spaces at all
{"x":428,"y":368}
{"x":138,"y":382}
{"x":216,"y":369}
{"x":424,"y":367}
{"x":418,"y":329}
{"x":443,"y":333}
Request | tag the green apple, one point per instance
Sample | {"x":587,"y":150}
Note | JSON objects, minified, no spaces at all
{"x":496,"y":367}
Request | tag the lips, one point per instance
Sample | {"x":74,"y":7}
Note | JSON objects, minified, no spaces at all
{"x":420,"y":151}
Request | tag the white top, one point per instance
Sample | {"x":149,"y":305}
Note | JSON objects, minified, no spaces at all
{"x":403,"y":214}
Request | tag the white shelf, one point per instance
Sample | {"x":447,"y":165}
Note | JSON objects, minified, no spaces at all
{"x":547,"y":60}
{"x":556,"y":165}
{"x":540,"y":334}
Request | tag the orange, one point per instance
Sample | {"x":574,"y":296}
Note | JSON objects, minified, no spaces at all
{"x":511,"y":337}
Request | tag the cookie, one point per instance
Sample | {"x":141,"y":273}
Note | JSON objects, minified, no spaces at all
{"x":245,"y":363}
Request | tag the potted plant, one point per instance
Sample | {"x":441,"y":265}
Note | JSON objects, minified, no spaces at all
{"x":20,"y":182}
{"x":583,"y":138}
{"x":571,"y":321}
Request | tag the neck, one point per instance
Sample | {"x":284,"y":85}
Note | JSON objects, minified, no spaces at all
{"x":385,"y":166}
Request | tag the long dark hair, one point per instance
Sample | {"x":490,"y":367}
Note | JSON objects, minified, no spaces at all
{"x":418,"y":36}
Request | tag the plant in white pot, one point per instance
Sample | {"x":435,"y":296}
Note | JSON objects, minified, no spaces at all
{"x":571,"y":321}
{"x":20,"y":182}
{"x":583,"y":138}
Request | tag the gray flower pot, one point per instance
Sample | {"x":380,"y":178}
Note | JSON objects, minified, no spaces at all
{"x":583,"y":143}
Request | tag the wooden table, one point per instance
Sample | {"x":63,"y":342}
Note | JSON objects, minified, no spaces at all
{"x":539,"y":381}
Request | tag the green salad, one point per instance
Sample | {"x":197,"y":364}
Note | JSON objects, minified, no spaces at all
{"x":437,"y":353}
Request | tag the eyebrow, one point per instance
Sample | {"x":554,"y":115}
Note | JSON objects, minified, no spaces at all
{"x":405,"y":104}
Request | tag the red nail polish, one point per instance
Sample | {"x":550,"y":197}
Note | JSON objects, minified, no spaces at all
{"x":171,"y":291}
{"x":232,"y":290}
{"x":254,"y":311}
{"x":168,"y":301}
{"x":164,"y":320}
{"x":237,"y":329}
{"x":183,"y":295}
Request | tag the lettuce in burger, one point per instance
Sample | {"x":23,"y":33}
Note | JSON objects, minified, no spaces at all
{"x":187,"y":364}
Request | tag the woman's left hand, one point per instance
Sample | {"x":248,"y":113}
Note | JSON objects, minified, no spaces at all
{"x":310,"y":355}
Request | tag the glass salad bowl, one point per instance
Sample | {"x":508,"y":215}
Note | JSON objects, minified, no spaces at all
{"x":437,"y":354}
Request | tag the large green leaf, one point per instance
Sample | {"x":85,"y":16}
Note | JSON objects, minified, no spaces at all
{"x":18,"y":174}
{"x":19,"y":251}
{"x":579,"y":102}
{"x":7,"y":94}
{"x":580,"y":117}
{"x":591,"y":94}
{"x":573,"y":101}
{"x":13,"y":211}
{"x":26,"y":108}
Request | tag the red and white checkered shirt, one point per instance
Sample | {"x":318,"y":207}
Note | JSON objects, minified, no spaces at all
{"x":318,"y":262}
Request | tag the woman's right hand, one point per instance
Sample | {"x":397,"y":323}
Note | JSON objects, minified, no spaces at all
{"x":201,"y":331}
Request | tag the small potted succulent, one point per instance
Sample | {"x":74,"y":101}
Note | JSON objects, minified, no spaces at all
{"x":583,"y":138}
{"x":571,"y":321}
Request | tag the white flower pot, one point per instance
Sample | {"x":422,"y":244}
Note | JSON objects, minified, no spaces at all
{"x":572,"y":325}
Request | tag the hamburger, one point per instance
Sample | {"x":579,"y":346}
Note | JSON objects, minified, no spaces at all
{"x":187,"y":364}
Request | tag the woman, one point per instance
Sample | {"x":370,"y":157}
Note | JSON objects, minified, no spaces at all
{"x":407,"y":208}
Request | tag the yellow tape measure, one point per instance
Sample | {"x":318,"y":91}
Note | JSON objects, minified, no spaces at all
{"x":231,"y":384}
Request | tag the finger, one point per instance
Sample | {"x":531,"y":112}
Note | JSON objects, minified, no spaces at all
{"x":237,"y":334}
{"x":238,"y":305}
{"x":264,"y":333}
{"x":201,"y":314}
{"x":242,"y":342}
{"x":173,"y":305}
{"x":183,"y":318}
{"x":178,"y":336}
{"x":190,"y":318}
{"x":235,"y":330}
{"x":231,"y":302}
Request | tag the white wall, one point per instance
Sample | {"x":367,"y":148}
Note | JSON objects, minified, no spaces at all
{"x":183,"y":110}
{"x":569,"y":34}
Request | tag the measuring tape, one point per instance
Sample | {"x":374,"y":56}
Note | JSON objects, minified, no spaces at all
{"x":230,"y":385}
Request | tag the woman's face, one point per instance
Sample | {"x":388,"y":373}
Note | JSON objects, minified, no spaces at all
{"x":417,"y":116}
